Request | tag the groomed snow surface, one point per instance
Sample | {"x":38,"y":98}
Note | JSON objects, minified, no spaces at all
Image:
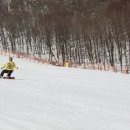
{"x":44,"y":97}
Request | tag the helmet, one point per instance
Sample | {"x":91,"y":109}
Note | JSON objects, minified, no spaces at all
{"x":10,"y":58}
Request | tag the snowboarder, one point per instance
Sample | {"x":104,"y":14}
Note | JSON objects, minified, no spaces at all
{"x":8,"y":68}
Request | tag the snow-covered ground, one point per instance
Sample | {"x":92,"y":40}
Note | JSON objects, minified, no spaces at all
{"x":44,"y":97}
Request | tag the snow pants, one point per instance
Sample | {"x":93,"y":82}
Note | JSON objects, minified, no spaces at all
{"x":9,"y":72}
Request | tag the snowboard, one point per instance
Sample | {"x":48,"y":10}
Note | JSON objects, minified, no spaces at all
{"x":8,"y":78}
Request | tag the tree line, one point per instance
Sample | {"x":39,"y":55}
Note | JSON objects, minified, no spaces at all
{"x":77,"y":31}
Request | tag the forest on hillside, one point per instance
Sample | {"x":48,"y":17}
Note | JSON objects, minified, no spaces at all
{"x":77,"y":31}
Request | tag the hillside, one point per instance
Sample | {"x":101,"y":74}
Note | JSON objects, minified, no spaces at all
{"x":44,"y":97}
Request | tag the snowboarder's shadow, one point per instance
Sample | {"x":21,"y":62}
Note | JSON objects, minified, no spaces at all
{"x":19,"y":79}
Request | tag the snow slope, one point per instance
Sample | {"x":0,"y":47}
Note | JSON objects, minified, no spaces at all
{"x":45,"y":97}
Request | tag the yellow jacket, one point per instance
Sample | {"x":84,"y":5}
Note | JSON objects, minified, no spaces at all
{"x":9,"y":65}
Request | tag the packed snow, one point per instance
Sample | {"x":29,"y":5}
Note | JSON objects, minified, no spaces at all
{"x":45,"y":97}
